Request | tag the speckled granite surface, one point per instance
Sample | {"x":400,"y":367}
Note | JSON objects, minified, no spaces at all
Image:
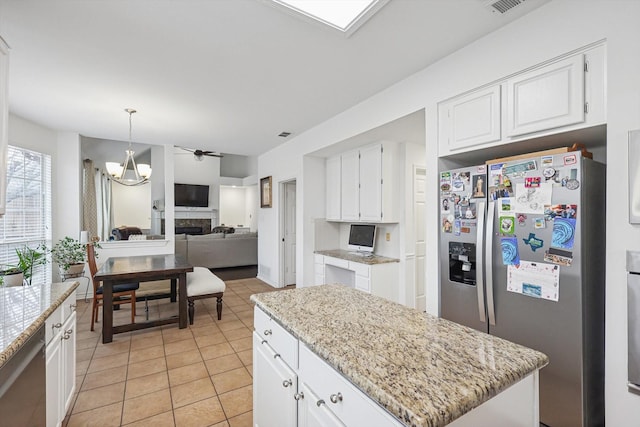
{"x":349,"y":256}
{"x":23,"y":309}
{"x":425,"y":370}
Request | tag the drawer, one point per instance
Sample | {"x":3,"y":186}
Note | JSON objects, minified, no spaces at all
{"x":278,"y":338}
{"x":363,"y":284}
{"x":53,"y":324}
{"x":360,"y":269}
{"x":318,"y":259}
{"x":342,"y":263}
{"x":68,"y":306}
{"x":352,"y":406}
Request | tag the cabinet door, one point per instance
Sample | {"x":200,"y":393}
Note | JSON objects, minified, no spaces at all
{"x":4,"y":119}
{"x":333,"y":188}
{"x":314,"y":411}
{"x":371,"y":183}
{"x":68,"y":372}
{"x":274,"y":387}
{"x":470,"y":119}
{"x":546,"y":98}
{"x":54,"y":378}
{"x":349,"y":186}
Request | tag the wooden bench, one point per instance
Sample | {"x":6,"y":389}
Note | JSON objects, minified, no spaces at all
{"x":202,"y":283}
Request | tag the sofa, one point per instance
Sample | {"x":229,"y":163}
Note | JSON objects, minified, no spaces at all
{"x":218,"y":250}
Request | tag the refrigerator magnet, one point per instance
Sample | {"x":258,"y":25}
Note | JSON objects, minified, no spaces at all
{"x":546,"y":161}
{"x":456,"y":227}
{"x":507,"y":225}
{"x":505,"y":204}
{"x":558,"y":256}
{"x":548,"y":173}
{"x":445,"y":181}
{"x":572,"y":184}
{"x":539,"y":223}
{"x":478,"y":186}
{"x":570,"y":160}
{"x":510,"y":255}
{"x":532,"y":182}
{"x":563,"y":232}
{"x":457,"y":186}
{"x":534,"y":242}
{"x":446,"y":225}
{"x":446,"y":205}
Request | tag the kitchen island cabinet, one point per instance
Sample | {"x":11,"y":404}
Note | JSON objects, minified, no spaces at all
{"x":362,"y":360}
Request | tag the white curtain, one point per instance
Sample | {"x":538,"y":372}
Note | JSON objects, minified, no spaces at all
{"x":103,"y":201}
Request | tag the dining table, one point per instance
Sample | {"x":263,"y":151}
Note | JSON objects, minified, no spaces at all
{"x":131,"y":269}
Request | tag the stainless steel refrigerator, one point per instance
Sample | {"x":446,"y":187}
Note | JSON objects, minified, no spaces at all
{"x":522,"y":257}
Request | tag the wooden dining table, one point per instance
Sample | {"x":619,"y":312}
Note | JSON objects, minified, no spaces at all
{"x":144,"y":268}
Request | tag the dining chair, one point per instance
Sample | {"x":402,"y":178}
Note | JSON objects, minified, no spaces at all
{"x":119,"y":290}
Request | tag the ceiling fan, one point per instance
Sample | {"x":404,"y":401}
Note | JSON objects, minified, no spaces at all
{"x":200,"y":154}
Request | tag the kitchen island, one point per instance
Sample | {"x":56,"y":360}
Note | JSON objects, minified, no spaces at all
{"x":423,"y":370}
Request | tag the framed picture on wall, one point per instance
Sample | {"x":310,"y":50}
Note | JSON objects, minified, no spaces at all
{"x":265,"y":192}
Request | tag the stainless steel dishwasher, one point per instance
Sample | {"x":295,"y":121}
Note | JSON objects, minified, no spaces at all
{"x":23,"y":385}
{"x":633,"y":315}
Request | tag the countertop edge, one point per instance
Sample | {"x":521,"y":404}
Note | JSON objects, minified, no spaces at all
{"x":344,"y":254}
{"x":399,"y":411}
{"x":28,"y":332}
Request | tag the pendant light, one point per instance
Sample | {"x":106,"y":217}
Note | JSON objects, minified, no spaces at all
{"x":142,"y":171}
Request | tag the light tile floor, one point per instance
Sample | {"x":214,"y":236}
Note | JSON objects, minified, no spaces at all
{"x":165,"y":376}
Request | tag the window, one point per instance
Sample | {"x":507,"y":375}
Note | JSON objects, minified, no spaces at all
{"x":27,"y":220}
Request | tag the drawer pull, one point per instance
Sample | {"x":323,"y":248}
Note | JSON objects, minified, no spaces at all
{"x":320,"y":403}
{"x":264,"y":341}
{"x":66,"y":336}
{"x":267,"y":332}
{"x":69,"y":332}
{"x":57,"y":325}
{"x":298,"y":396}
{"x":275,"y":356}
{"x":287,"y":383}
{"x":335,"y":398}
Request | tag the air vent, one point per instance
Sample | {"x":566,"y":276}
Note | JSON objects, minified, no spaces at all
{"x":503,"y":6}
{"x":284,"y":134}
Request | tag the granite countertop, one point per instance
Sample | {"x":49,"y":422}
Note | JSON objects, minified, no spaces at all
{"x":23,"y":309}
{"x":424,"y":370}
{"x":363,"y":259}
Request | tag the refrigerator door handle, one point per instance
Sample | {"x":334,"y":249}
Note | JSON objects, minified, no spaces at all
{"x":489,"y":261}
{"x":480,"y":260}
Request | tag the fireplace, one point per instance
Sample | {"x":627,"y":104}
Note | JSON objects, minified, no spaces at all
{"x":190,"y":226}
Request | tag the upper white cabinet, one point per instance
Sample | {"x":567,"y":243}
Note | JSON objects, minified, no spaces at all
{"x":4,"y":119}
{"x":470,"y":119}
{"x":360,"y":184}
{"x":546,"y":98}
{"x":334,"y":192}
{"x":557,"y":96}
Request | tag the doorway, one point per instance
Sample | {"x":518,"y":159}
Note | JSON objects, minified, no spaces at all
{"x":288,"y":233}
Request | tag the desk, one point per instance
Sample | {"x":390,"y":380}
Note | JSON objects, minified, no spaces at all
{"x":141,"y":269}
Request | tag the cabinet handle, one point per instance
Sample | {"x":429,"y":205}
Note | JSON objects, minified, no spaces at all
{"x":69,"y":332}
{"x":267,"y":332}
{"x":298,"y":396}
{"x":57,"y":325}
{"x":275,"y":356}
{"x":264,"y":341}
{"x":335,"y":398}
{"x":287,"y":383}
{"x":66,"y":336}
{"x":320,"y":403}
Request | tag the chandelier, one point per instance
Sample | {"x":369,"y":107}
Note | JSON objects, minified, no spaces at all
{"x":118,"y":172}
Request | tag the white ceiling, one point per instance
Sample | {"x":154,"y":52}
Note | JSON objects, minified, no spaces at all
{"x":223,"y":75}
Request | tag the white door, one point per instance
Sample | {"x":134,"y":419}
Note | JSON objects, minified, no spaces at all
{"x":371,"y":183}
{"x":333,"y":188}
{"x":290,"y":233}
{"x":546,"y":98}
{"x":274,"y":387}
{"x":349,"y":186}
{"x":419,"y":183}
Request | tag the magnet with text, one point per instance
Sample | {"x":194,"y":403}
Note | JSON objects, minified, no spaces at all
{"x":510,"y":255}
{"x":564,"y":230}
{"x":532,"y":182}
{"x":534,"y":242}
{"x":558,"y":256}
{"x":570,"y":160}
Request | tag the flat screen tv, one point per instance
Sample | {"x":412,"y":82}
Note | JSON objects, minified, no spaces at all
{"x":362,"y":237}
{"x":191,"y":195}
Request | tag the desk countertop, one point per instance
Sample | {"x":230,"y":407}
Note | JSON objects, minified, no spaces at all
{"x":425,"y":370}
{"x":23,"y":309}
{"x":362,"y":259}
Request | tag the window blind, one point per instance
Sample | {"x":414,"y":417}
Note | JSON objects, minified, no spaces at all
{"x":27,"y":220}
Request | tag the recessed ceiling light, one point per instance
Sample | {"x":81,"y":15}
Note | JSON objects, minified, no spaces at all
{"x":343,"y":15}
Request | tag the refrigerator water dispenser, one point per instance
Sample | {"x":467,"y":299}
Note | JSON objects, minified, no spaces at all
{"x":462,"y":263}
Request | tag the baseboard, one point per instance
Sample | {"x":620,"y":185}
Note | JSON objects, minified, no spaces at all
{"x":268,"y":282}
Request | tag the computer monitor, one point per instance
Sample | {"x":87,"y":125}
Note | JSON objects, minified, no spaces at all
{"x":362,"y":237}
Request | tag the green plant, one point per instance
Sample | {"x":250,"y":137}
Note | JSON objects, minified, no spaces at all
{"x":28,"y":258}
{"x":69,"y":251}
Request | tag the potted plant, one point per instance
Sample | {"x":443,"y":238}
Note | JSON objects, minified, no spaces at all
{"x":11,"y":276}
{"x":28,"y":258}
{"x":70,"y":256}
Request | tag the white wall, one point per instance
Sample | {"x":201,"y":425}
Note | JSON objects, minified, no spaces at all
{"x":131,"y":205}
{"x":251,"y":202}
{"x":550,"y":31}
{"x":207,"y":172}
{"x":233,"y":209}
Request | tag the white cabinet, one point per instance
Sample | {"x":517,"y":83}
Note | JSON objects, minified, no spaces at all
{"x":4,"y":120}
{"x":364,"y":183}
{"x":560,"y":95}
{"x":275,"y":386}
{"x":547,"y":97}
{"x":350,"y":186}
{"x":314,"y":411}
{"x":333,"y":191}
{"x":60,"y":360}
{"x":470,"y":119}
